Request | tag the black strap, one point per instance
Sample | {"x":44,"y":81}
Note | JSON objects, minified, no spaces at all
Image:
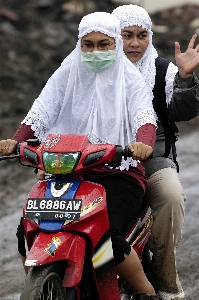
{"x":161,"y":70}
{"x":159,"y":101}
{"x":160,"y":107}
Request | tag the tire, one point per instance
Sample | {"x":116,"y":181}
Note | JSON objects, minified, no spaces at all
{"x":45,"y":283}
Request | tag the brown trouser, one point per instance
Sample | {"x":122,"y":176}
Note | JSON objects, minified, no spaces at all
{"x":165,"y":195}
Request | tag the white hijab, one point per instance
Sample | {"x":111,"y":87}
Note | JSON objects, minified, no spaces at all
{"x":109,"y":106}
{"x":134,"y":15}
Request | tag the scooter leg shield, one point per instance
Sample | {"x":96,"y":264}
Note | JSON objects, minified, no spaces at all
{"x":60,"y":246}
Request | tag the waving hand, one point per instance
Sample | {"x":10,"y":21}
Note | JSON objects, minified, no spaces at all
{"x":189,"y":60}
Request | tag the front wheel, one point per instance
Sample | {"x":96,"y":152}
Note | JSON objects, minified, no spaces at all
{"x":45,"y":283}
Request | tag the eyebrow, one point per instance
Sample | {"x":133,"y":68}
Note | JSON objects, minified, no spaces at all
{"x":130,"y":31}
{"x":92,"y":42}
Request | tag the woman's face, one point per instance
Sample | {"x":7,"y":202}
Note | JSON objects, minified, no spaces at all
{"x":136,"y":41}
{"x":97,"y":41}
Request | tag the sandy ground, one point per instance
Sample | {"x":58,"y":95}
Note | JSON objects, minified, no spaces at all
{"x":188,"y":250}
{"x":13,"y":190}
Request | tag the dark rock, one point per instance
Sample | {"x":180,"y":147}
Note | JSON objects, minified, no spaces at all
{"x":36,"y":35}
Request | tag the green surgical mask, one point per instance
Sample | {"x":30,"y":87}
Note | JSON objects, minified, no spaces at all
{"x":98,"y":60}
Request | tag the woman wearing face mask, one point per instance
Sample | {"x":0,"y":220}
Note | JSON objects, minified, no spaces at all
{"x":176,"y":101}
{"x":93,"y":93}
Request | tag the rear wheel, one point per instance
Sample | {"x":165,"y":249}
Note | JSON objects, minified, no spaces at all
{"x":45,"y":283}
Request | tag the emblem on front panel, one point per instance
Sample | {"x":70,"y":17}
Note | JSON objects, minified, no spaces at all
{"x":53,"y":246}
{"x":53,"y":141}
{"x":60,"y":188}
{"x":49,"y":143}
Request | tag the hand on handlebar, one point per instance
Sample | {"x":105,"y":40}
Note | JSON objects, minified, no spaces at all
{"x":41,"y":175}
{"x":140,"y":151}
{"x":7,"y":146}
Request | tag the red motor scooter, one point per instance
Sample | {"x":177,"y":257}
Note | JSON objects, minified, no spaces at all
{"x":66,"y":223}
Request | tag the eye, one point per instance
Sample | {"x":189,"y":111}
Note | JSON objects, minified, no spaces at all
{"x":143,"y":35}
{"x":127,"y":35}
{"x":87,"y":45}
{"x":103,"y":45}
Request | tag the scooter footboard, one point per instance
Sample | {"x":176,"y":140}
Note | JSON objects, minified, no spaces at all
{"x":60,"y":246}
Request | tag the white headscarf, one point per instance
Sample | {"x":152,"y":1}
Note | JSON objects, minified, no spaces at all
{"x":109,"y":106}
{"x":134,"y":15}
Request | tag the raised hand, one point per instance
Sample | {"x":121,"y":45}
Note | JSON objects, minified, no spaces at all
{"x":189,"y":60}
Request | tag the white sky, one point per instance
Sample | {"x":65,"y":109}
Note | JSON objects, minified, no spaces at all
{"x":156,"y":5}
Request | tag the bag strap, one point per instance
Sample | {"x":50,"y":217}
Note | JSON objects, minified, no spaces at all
{"x":159,"y":101}
{"x":161,"y":70}
{"x":160,"y":107}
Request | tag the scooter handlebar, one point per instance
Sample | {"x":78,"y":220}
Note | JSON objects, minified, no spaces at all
{"x":128,"y":153}
{"x":16,"y":149}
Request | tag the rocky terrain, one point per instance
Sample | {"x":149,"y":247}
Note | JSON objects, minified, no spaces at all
{"x":36,"y":35}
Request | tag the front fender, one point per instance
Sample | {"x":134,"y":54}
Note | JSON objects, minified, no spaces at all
{"x":60,"y":246}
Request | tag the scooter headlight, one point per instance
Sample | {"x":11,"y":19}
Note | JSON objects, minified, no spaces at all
{"x":60,"y":163}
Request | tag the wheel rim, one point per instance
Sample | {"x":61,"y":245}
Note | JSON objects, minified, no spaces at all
{"x":50,"y":288}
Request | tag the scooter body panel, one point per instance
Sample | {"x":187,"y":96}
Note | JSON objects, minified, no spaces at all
{"x":61,"y":246}
{"x":93,"y":211}
{"x":78,"y":235}
{"x":68,"y":241}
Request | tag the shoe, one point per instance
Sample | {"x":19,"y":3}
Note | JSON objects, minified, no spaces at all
{"x":145,"y":297}
{"x":125,"y":296}
{"x":172,"y":296}
{"x":125,"y":290}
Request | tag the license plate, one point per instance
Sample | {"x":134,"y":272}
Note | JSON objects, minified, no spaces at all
{"x":53,"y":209}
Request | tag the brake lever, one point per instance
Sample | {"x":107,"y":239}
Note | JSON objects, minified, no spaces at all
{"x":10,"y":157}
